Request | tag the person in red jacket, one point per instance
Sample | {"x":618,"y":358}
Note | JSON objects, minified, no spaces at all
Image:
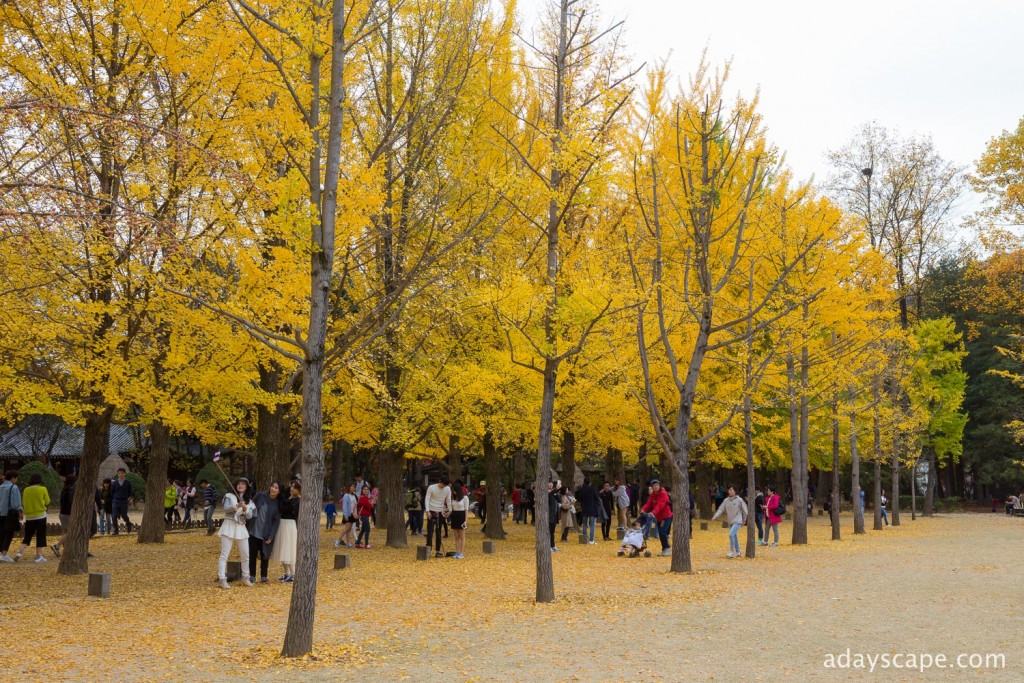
{"x":659,"y":507}
{"x":365,"y":510}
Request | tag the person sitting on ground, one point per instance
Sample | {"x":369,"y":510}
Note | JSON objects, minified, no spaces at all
{"x":633,"y":540}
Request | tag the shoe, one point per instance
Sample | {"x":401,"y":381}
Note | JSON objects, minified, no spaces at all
{"x":337,"y":544}
{"x":359,"y":545}
{"x":17,"y":557}
{"x":366,"y":547}
{"x":223,"y":583}
{"x":620,"y":553}
{"x":776,"y":543}
{"x":438,"y":554}
{"x":247,"y":581}
{"x":667,"y":552}
{"x":592,"y":543}
{"x":264,"y":580}
{"x":6,"y":558}
{"x":283,"y":578}
{"x":88,"y":554}
{"x":556,"y":549}
{"x":56,"y":549}
{"x":289,"y":579}
{"x":730,"y":555}
{"x":350,"y":546}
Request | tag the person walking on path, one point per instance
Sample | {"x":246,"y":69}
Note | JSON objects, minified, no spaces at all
{"x":590,"y":508}
{"x":414,"y":506}
{"x":67,"y":496}
{"x":286,"y":542}
{"x":189,"y":495}
{"x":348,"y":519}
{"x":238,"y":509}
{"x":365,"y":509}
{"x":554,"y":506}
{"x":438,"y":505}
{"x":209,"y":504}
{"x":759,"y":508}
{"x":607,"y":510}
{"x":10,"y":513}
{"x":885,"y":516}
{"x":527,"y":500}
{"x":104,"y":507}
{"x":659,"y":506}
{"x":458,"y":519}
{"x":621,"y":495}
{"x":262,"y":528}
{"x":771,"y":507}
{"x":34,"y":500}
{"x":567,"y":507}
{"x":170,"y":501}
{"x":121,"y":495}
{"x":735,"y":510}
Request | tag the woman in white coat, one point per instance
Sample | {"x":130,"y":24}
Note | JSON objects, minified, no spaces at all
{"x":238,"y":509}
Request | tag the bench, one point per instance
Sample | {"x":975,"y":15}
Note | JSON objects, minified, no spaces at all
{"x":1018,"y":512}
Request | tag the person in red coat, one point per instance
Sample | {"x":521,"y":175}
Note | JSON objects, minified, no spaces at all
{"x":365,"y":509}
{"x":770,"y":507}
{"x":659,"y":507}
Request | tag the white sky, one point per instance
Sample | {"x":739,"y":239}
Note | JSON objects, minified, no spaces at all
{"x":952,"y":69}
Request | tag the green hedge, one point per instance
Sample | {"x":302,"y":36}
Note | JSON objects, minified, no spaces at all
{"x":51,"y":480}
{"x":941,"y":504}
{"x":138,"y":486}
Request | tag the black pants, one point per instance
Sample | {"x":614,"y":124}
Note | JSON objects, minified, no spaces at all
{"x":528,"y":510}
{"x":121,"y":512}
{"x":606,"y":526}
{"x":168,"y":514}
{"x":258,"y":549}
{"x":551,"y":528}
{"x":759,"y":519}
{"x":8,"y":527}
{"x":434,"y":522}
{"x":35,"y":528}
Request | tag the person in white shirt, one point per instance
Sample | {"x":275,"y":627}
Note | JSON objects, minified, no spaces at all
{"x":438,"y":505}
{"x":238,"y":509}
{"x":460,"y":511}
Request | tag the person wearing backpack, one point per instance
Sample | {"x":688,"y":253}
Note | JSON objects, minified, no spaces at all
{"x":414,"y":506}
{"x":775,"y":508}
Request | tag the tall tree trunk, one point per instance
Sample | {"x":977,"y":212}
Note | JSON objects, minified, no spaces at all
{"x":337,"y":468}
{"x":391,"y":504}
{"x":704,"y":479}
{"x":858,"y":507}
{"x":798,"y":442}
{"x":836,"y":497}
{"x":929,"y":495}
{"x":665,"y":471}
{"x":492,"y":466}
{"x":542,"y":542}
{"x":876,"y":428}
{"x":568,"y":472}
{"x":75,"y":557}
{"x":822,"y":486}
{"x":153,"y":525}
{"x":748,"y":440}
{"x":454,"y":458}
{"x":894,"y":499}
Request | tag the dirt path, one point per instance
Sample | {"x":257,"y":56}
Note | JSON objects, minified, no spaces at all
{"x":948,"y":585}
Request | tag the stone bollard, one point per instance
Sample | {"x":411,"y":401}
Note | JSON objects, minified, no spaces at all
{"x":422,"y":552}
{"x":234,"y":572}
{"x":342,"y":561}
{"x":490,"y":547}
{"x":703,"y":526}
{"x":620,"y":534}
{"x":821,"y":513}
{"x":584,"y":539}
{"x":99,"y":584}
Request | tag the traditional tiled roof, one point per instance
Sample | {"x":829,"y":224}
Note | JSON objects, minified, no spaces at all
{"x":47,"y":435}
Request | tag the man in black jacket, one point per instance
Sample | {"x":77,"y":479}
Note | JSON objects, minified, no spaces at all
{"x":209,"y":504}
{"x":590,"y":505}
{"x":121,"y":493}
{"x":554,"y":505}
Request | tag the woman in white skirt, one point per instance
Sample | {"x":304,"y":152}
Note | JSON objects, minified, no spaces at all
{"x":285,"y":546}
{"x":238,"y":509}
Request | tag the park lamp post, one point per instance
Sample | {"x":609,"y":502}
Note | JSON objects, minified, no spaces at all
{"x":866,"y":172}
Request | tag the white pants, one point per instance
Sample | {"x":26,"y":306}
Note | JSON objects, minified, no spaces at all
{"x":225,"y":551}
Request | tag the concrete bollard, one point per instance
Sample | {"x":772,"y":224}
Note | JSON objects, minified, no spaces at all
{"x":490,"y":547}
{"x":584,"y":539}
{"x":234,"y":572}
{"x":99,"y":584}
{"x":422,"y":552}
{"x":821,"y":513}
{"x":703,"y":526}
{"x":342,"y":561}
{"x":620,"y":534}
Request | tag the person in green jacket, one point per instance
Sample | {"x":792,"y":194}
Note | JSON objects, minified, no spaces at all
{"x":170,"y":500}
{"x":34,"y":500}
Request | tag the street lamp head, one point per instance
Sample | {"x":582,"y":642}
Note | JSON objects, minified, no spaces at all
{"x":866,"y":172}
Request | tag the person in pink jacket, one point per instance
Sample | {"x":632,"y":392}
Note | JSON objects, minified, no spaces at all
{"x":771,"y":507}
{"x":660,"y":507}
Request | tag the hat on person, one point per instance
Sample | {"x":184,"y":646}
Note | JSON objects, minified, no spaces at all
{"x":655,"y":481}
{"x":240,"y":480}
{"x":483,"y":482}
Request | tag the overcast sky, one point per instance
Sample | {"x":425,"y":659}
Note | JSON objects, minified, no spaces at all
{"x":952,"y":69}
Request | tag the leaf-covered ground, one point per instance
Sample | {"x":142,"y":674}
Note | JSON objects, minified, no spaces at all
{"x":947,"y":585}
